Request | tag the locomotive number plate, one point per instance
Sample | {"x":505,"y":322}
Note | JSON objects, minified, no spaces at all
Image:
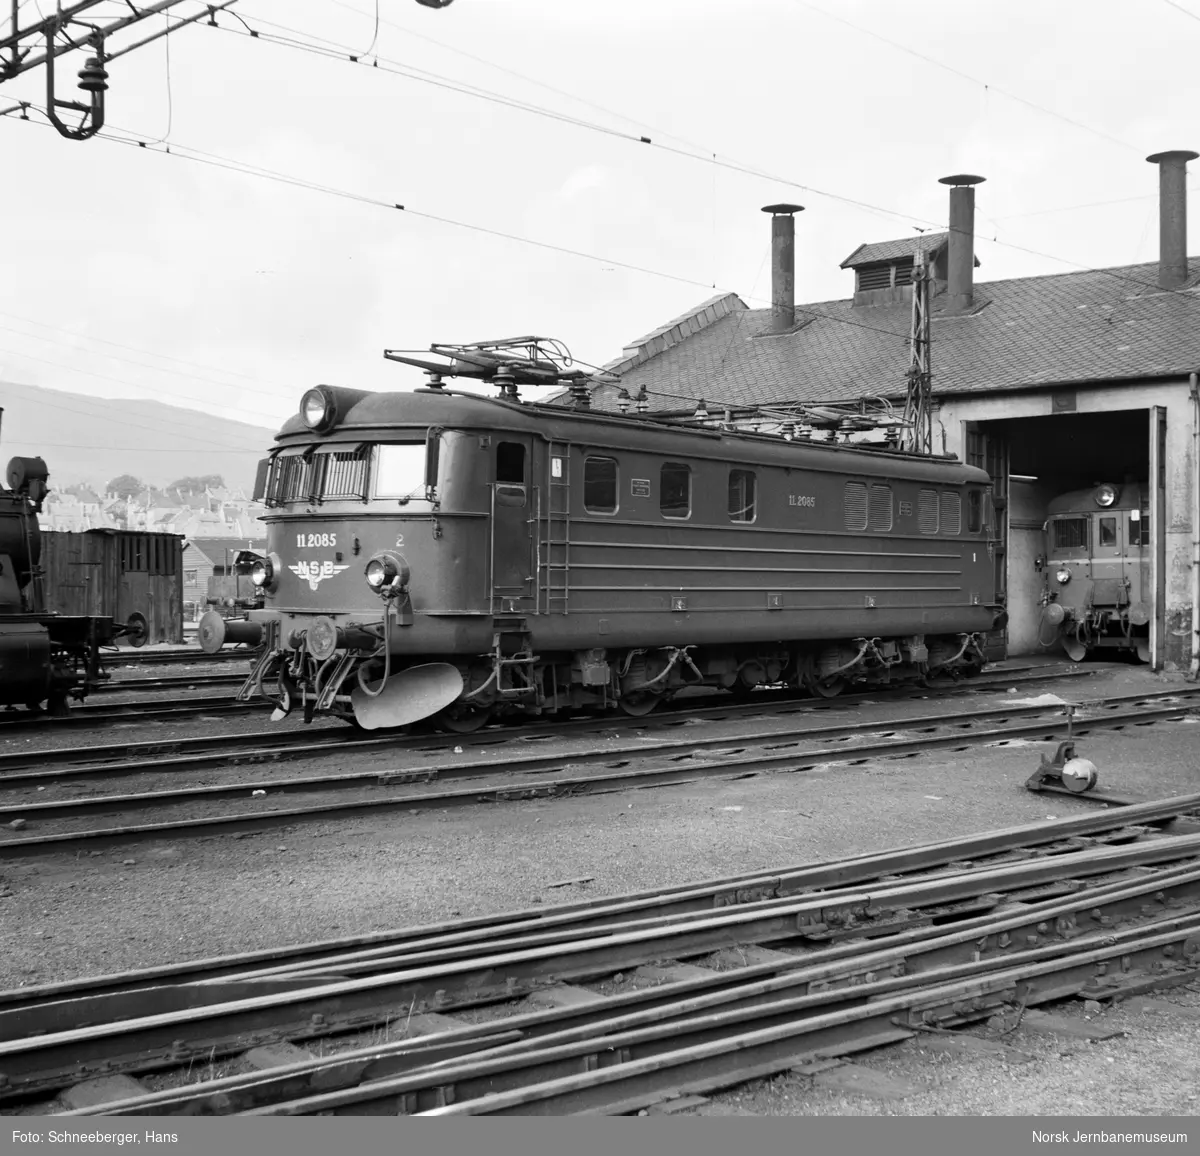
{"x":806,"y":500}
{"x":309,"y":540}
{"x":639,"y":487}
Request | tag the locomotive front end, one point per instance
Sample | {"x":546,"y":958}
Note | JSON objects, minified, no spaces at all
{"x":1097,"y":578}
{"x":353,"y":534}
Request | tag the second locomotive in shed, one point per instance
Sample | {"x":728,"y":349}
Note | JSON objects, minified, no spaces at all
{"x":441,"y":553}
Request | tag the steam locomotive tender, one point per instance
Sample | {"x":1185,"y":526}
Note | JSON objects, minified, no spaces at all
{"x":1097,"y":571}
{"x":440,"y":553}
{"x":45,"y":657}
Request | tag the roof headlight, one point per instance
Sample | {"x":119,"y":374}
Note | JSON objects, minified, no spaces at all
{"x":316,"y":408}
{"x":1106,"y":495}
{"x":1063,"y":576}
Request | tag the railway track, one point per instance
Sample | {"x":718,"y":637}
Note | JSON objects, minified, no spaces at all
{"x":192,"y":654}
{"x":618,"y":765}
{"x":834,"y":957}
{"x":100,"y":714}
{"x":273,"y":745}
{"x":169,"y":682}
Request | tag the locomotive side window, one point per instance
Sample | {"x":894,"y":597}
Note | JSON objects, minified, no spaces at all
{"x":400,"y":470}
{"x":880,"y":508}
{"x":675,"y":491}
{"x":510,"y":463}
{"x":1139,"y":528}
{"x":742,"y":495}
{"x":1108,"y":531}
{"x":927,"y":511}
{"x":974,"y":511}
{"x":600,"y":485}
{"x":856,"y":506}
{"x":1071,"y":533}
{"x":951,"y":513}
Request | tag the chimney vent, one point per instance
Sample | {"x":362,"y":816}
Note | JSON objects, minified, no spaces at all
{"x":1172,"y":216}
{"x":960,"y":279}
{"x":783,"y":266}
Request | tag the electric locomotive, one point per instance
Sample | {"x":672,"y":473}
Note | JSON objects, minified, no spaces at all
{"x":1097,"y":571}
{"x":45,"y":657}
{"x":439,"y":553}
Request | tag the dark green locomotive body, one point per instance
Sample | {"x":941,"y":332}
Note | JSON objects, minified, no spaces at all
{"x":558,"y":558}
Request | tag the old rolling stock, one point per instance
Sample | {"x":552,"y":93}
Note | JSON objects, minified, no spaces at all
{"x":1097,"y":568}
{"x":131,"y":576}
{"x":440,"y":553}
{"x":46,"y":657}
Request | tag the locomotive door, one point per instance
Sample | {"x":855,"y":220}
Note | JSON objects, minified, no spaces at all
{"x":512,"y":568}
{"x":989,"y":451}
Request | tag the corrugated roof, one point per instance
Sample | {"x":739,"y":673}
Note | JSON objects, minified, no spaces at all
{"x":1092,"y":326}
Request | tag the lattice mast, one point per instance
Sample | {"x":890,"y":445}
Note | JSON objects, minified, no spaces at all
{"x":918,"y":408}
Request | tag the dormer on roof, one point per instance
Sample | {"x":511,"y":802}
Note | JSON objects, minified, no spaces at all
{"x":883,"y":272}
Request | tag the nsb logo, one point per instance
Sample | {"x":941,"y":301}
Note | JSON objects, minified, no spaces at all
{"x":314,"y":573}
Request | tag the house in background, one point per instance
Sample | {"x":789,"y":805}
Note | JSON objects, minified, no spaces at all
{"x":1051,"y":383}
{"x":205,"y":558}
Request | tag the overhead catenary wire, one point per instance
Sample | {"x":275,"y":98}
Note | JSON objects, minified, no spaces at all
{"x":711,"y":158}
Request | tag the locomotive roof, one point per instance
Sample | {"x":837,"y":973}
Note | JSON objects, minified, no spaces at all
{"x":1130,"y":496}
{"x":381,"y":413}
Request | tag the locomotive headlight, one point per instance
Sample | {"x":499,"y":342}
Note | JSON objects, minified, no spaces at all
{"x":261,"y":572}
{"x":376,"y":574}
{"x":387,"y":573}
{"x":318,"y":410}
{"x":264,"y":573}
{"x":1063,"y":577}
{"x":1106,"y":495}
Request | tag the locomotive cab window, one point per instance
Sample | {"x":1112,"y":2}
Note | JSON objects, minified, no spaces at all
{"x":675,"y":491}
{"x":400,"y":471}
{"x":1139,"y":528}
{"x":1070,"y":533}
{"x":742,"y":495}
{"x":510,"y":474}
{"x":1108,"y":531}
{"x":600,"y":485}
{"x":974,"y":511}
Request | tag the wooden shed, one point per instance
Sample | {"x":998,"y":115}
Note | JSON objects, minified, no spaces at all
{"x":128,"y":575}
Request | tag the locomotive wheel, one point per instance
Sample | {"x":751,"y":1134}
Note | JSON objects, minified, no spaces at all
{"x":638,"y":705}
{"x":464,"y":720}
{"x":139,"y":630}
{"x":829,"y":687}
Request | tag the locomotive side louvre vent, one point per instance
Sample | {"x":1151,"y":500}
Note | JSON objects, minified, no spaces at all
{"x":880,"y":508}
{"x":951,"y":513}
{"x":856,"y":506}
{"x":927,"y":511}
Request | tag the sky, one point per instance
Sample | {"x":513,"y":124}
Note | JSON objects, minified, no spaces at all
{"x":137,"y":272}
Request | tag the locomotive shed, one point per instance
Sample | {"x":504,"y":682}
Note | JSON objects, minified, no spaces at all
{"x":1055,"y":385}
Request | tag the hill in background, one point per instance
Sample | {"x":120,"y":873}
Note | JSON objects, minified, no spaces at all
{"x":95,"y":439}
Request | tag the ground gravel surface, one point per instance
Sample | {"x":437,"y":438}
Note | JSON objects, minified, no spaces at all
{"x":1151,"y":1069}
{"x":67,"y":916}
